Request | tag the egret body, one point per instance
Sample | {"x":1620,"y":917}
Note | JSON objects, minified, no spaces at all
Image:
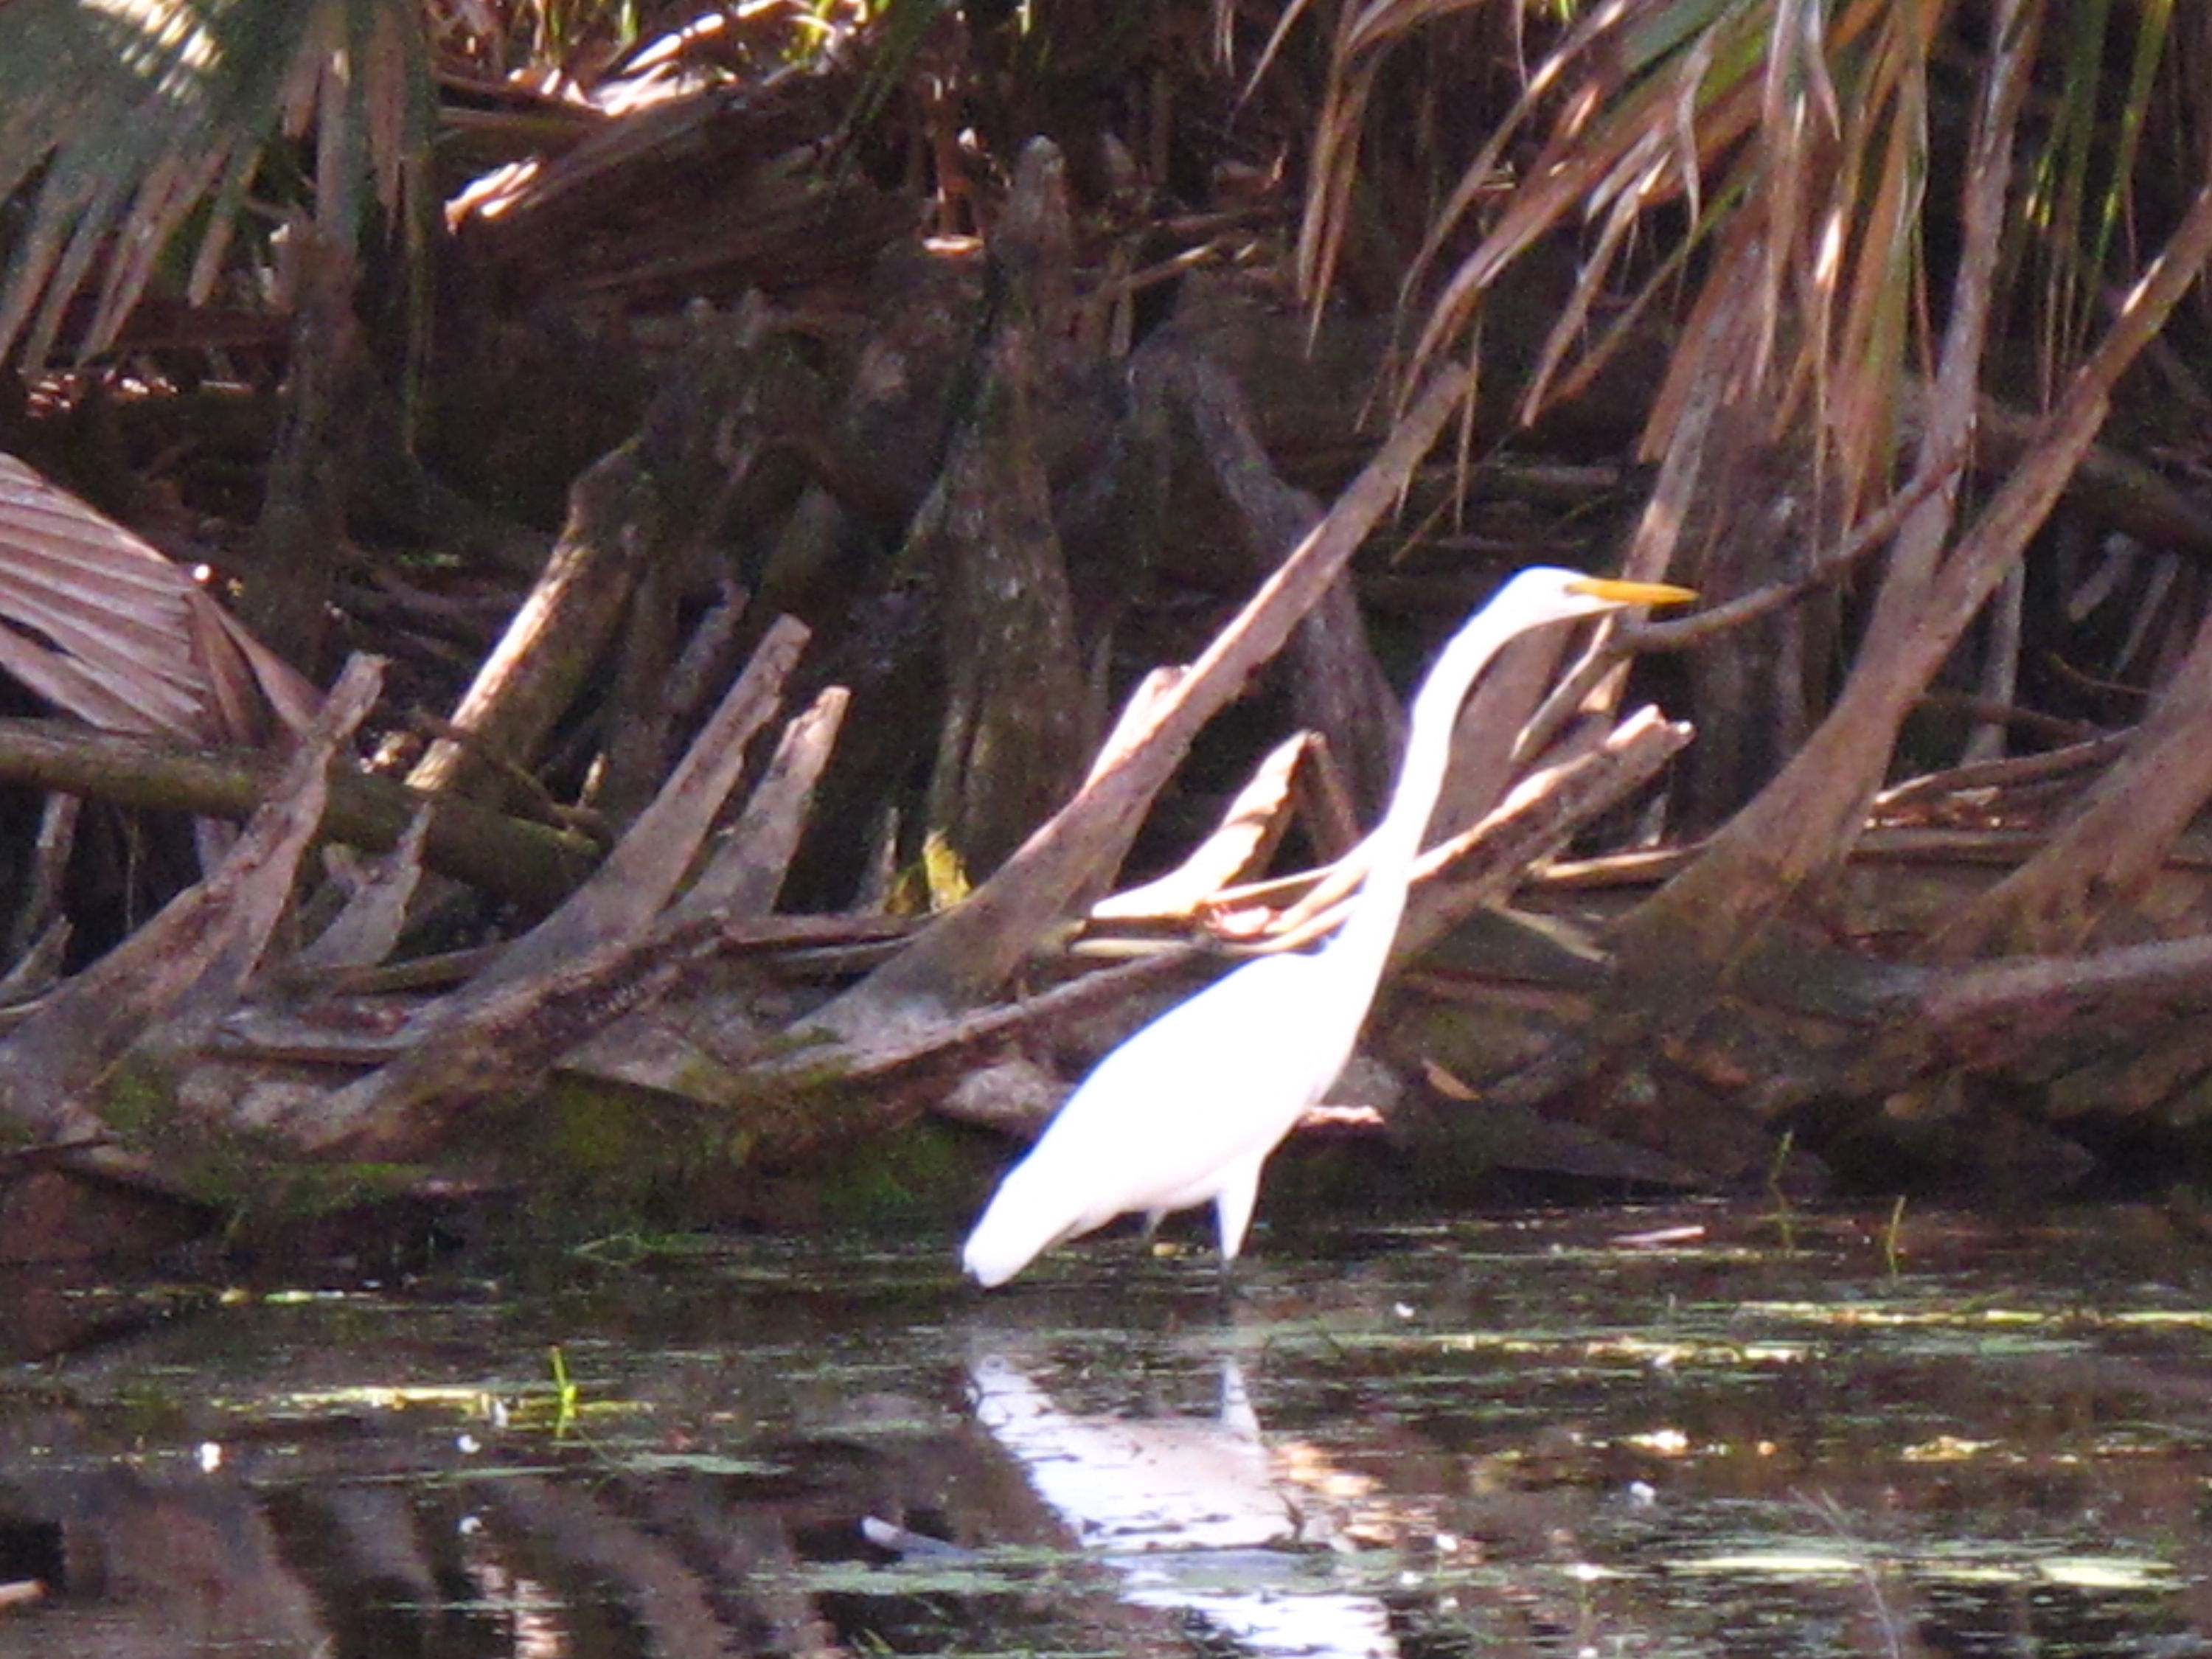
{"x":1187,"y":1110}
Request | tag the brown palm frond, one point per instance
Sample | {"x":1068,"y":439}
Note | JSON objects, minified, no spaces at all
{"x":105,"y":626}
{"x":1678,"y":138}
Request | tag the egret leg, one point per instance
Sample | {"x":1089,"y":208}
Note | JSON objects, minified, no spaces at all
{"x":1232,"y":1207}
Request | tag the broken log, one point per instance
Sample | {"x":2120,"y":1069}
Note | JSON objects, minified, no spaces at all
{"x":532,"y":863}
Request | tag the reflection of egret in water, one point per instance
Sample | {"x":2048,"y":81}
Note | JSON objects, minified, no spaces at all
{"x":1192,"y":1513}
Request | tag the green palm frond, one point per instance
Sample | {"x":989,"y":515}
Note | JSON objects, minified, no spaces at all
{"x":127,"y":126}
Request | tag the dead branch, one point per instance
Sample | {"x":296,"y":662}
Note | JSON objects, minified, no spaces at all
{"x":593,"y":960}
{"x":2090,"y":753}
{"x":364,"y":931}
{"x":506,"y":857}
{"x":580,"y":970}
{"x":183,"y":970}
{"x":1245,"y":839}
{"x":959,"y":1038}
{"x":746,"y":863}
{"x":637,"y":504}
{"x":1483,"y":863}
{"x":667,"y":1045}
{"x":642,"y":873}
{"x":1337,"y":688}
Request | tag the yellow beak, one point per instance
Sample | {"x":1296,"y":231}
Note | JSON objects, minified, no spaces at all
{"x":1621,"y":593}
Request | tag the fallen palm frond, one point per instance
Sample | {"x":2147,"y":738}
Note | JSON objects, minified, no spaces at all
{"x":109,"y":629}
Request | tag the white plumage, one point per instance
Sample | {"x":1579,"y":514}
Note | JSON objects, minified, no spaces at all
{"x":1186,"y":1110}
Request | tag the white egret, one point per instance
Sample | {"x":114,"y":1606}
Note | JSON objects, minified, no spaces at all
{"x":1188,"y":1109}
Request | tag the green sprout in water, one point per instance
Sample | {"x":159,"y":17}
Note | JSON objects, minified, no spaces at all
{"x":565,"y":1395}
{"x":1784,"y":1219}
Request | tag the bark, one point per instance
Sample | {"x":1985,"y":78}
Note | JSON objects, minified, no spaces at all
{"x":1010,"y":743}
{"x":1760,"y":503}
{"x":640,"y":716}
{"x":374,"y":915}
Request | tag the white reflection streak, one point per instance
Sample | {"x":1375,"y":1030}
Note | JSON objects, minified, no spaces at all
{"x":534,"y":1612}
{"x":1183,"y":1509}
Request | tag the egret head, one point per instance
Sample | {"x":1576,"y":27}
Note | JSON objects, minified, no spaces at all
{"x":1544,"y":593}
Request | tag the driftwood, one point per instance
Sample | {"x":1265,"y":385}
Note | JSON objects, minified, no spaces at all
{"x":649,"y":501}
{"x":628,"y":981}
{"x":745,"y":864}
{"x":666,"y":977}
{"x":167,"y":985}
{"x":597,"y":956}
{"x":626,"y":944}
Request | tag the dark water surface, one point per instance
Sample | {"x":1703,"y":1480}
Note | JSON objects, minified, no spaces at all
{"x":1693,"y":1431}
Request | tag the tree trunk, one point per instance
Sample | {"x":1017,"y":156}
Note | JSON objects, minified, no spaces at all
{"x":1010,"y":747}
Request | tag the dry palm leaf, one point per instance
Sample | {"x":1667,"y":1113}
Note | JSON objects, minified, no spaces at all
{"x":1768,"y":160}
{"x":104,"y":625}
{"x":128,"y":126}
